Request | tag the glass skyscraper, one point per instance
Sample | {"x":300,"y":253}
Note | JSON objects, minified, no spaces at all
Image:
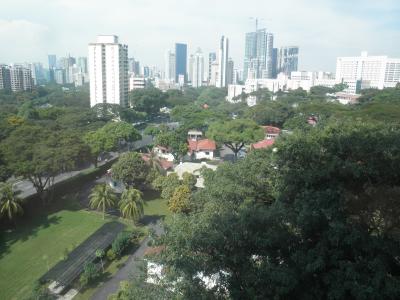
{"x":181,"y":61}
{"x":258,"y":59}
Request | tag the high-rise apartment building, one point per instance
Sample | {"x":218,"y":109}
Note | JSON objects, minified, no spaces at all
{"x":108,"y":71}
{"x":259,"y":54}
{"x":180,"y":61}
{"x":288,"y":60}
{"x":170,"y":67}
{"x":198,"y":69}
{"x":5,"y":77}
{"x":223,"y":54}
{"x":368,"y":71}
{"x":21,"y":78}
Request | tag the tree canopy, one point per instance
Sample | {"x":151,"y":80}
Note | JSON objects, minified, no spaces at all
{"x":235,"y":134}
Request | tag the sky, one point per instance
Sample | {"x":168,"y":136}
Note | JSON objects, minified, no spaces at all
{"x":323,"y":29}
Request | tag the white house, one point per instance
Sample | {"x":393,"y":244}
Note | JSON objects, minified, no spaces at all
{"x":202,"y":149}
{"x":163,"y":152}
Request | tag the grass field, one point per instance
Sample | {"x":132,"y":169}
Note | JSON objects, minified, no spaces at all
{"x":27,"y":252}
{"x":155,"y":206}
{"x":31,"y":249}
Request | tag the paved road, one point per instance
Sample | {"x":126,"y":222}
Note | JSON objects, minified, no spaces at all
{"x":128,"y":270}
{"x":26,"y":188}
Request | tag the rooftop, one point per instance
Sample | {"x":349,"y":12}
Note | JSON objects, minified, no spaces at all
{"x":263,"y":144}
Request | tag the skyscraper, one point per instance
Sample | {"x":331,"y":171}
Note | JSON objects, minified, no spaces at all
{"x":258,"y":54}
{"x":274,"y":62}
{"x":223,"y":55}
{"x":197,"y":69}
{"x":230,"y":72}
{"x":181,"y":61}
{"x":288,"y":59}
{"x":212,"y":57}
{"x":108,"y":71}
{"x":190,"y":68}
{"x":82,"y":64}
{"x":52,"y":59}
{"x":170,"y":66}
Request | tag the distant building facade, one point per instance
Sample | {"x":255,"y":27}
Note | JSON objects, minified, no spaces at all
{"x":287,"y":60}
{"x":365,"y":71}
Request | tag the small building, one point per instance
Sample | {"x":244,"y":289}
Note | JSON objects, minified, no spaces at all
{"x":165,"y":164}
{"x":195,"y":135}
{"x":262,"y":144}
{"x":271,"y":132}
{"x":202,"y":149}
{"x":163,"y":152}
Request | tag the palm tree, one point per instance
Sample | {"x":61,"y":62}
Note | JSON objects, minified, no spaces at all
{"x":155,"y":162}
{"x":9,"y":203}
{"x":131,"y":204}
{"x":102,"y":197}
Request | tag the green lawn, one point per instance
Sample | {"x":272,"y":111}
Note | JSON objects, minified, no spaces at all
{"x":27,"y":252}
{"x":155,"y":206}
{"x":34,"y":247}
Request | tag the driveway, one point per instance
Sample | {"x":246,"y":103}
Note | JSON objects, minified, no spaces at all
{"x":128,"y":270}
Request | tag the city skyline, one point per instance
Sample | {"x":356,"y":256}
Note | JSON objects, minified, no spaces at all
{"x":322,"y":33}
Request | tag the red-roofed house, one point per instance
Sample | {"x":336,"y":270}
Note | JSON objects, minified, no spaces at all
{"x":202,"y":149}
{"x":263,"y":144}
{"x":271,"y":132}
{"x":165,"y":164}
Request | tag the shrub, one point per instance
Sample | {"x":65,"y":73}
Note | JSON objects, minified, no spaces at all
{"x":90,"y":273}
{"x":122,"y":241}
{"x":111,"y":255}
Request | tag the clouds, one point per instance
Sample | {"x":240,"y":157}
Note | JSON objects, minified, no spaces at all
{"x":21,"y":38}
{"x":323,"y":29}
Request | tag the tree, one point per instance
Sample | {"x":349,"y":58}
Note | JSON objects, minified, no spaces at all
{"x":235,"y":134}
{"x":10,"y":205}
{"x":166,"y":184}
{"x":39,"y":154}
{"x":110,"y":137}
{"x":180,"y":200}
{"x":173,"y":141}
{"x":131,"y":204}
{"x":102,"y":197}
{"x":316,"y":219}
{"x":147,"y":100}
{"x":89,"y":274}
{"x":189,"y":180}
{"x":131,"y":169}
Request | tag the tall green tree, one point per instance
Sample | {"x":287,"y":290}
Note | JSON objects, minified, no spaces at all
{"x":235,"y":134}
{"x":173,"y":141}
{"x":10,"y":206}
{"x":131,"y":169}
{"x":147,"y":100}
{"x":180,"y":200}
{"x":38,"y":154}
{"x":132,"y":204}
{"x":102,"y":197}
{"x":316,"y":219}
